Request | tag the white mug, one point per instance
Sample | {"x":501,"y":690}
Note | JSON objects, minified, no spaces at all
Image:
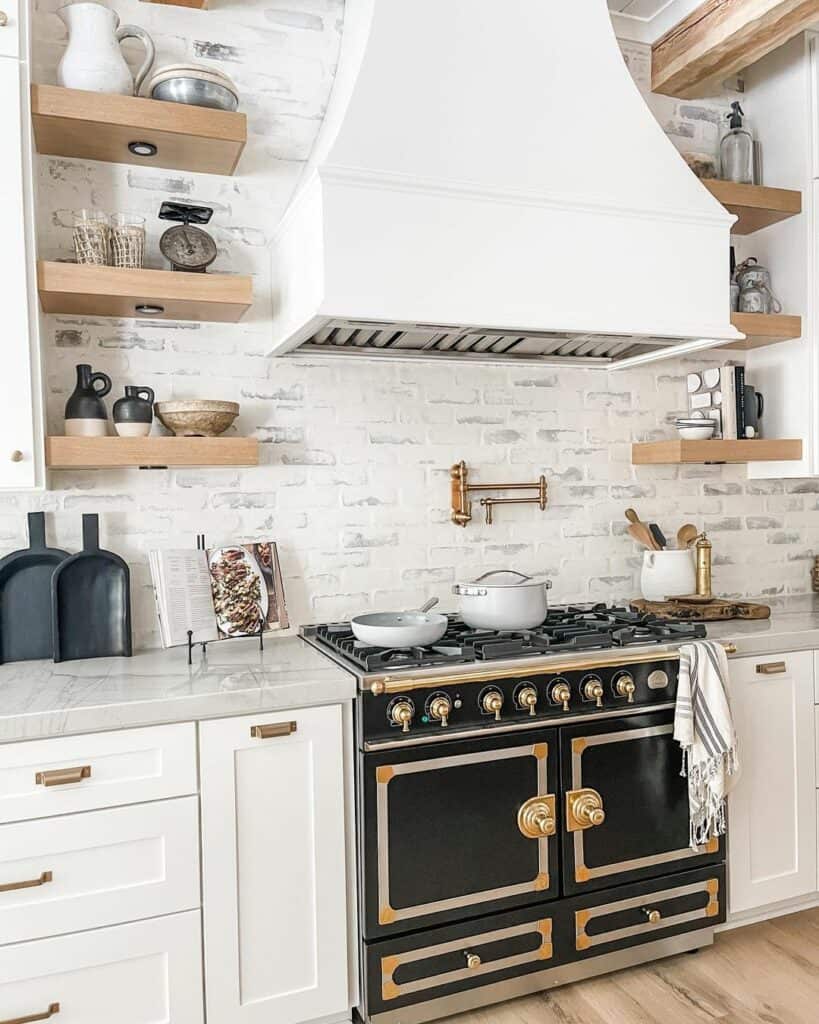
{"x":667,"y":574}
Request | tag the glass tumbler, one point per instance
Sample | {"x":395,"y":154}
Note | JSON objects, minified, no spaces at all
{"x":92,"y":235}
{"x":127,"y":240}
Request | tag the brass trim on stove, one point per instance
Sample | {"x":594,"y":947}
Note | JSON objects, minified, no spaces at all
{"x":384,"y":774}
{"x":524,"y":669}
{"x":474,"y":965}
{"x":652,"y":923}
{"x":584,"y":873}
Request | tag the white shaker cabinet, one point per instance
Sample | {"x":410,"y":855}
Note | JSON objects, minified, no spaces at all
{"x":772,"y":811}
{"x":20,"y":440}
{"x":274,"y":867}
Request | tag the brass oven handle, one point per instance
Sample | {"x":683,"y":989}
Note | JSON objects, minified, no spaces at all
{"x":772,"y":668}
{"x":52,"y":1009}
{"x":270,"y":732}
{"x":62,"y":777}
{"x":30,"y":883}
{"x":536,"y":819}
{"x":584,"y":809}
{"x":473,"y":961}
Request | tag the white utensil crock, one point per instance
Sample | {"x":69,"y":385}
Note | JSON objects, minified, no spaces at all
{"x":93,"y":60}
{"x":667,"y":574}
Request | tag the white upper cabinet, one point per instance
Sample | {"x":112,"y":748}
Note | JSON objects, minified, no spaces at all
{"x":274,"y":868}
{"x":772,"y":811}
{"x":10,"y":28}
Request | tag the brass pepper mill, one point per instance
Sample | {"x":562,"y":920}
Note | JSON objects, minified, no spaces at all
{"x":704,"y":551}
{"x":814,"y":574}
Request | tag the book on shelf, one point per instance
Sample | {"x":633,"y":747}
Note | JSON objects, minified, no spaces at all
{"x":229,"y":591}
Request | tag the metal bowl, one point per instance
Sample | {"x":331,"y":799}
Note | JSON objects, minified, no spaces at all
{"x":196,"y":92}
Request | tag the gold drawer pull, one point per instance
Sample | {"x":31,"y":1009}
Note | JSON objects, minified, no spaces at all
{"x":473,"y":961}
{"x":536,"y":819}
{"x":269,"y":732}
{"x":772,"y":668}
{"x":62,"y":777}
{"x":654,"y":916}
{"x":30,"y":883}
{"x":52,"y":1009}
{"x":584,"y":809}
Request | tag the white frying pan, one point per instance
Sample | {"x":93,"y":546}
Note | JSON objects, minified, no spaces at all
{"x":400,"y":629}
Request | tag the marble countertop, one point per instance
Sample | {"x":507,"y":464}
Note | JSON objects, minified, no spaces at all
{"x":39,"y":698}
{"x":793,"y":626}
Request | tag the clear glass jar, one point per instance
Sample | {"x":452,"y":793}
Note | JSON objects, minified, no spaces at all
{"x":92,"y":236}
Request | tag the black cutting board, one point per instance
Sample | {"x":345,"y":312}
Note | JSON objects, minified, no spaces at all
{"x":25,"y":596}
{"x":91,"y":601}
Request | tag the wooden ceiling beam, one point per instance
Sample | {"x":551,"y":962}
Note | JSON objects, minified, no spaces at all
{"x":720,"y":38}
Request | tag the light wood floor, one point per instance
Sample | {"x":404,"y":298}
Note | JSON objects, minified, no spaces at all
{"x":761,"y":974}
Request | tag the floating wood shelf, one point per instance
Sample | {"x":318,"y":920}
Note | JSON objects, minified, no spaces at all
{"x":679,"y":451}
{"x":80,"y":290}
{"x":757,"y":206}
{"x":762,"y":329}
{"x":99,"y":126}
{"x":197,"y":5}
{"x":149,"y":452}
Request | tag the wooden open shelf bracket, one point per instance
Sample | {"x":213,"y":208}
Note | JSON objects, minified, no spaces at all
{"x":678,"y":451}
{"x":99,"y":126}
{"x":150,"y":452}
{"x":756,"y":206}
{"x":762,"y":329}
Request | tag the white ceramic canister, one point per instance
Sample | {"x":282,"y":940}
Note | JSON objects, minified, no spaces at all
{"x":668,"y":574}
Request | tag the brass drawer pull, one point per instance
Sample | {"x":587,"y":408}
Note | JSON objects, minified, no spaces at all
{"x":62,"y":777}
{"x":536,"y":819}
{"x":52,"y":1009}
{"x":473,"y":961}
{"x":269,"y":732}
{"x":584,"y":809}
{"x":654,"y":916}
{"x":772,"y":668}
{"x":30,"y":883}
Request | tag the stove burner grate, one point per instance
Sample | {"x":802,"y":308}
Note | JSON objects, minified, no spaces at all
{"x":566,"y":629}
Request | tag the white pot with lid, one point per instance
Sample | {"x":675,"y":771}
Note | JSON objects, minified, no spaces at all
{"x":504,"y":600}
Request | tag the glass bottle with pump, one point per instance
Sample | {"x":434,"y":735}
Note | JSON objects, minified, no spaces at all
{"x":737,"y":150}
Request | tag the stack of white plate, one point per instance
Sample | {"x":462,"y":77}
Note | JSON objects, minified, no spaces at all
{"x":196,"y":84}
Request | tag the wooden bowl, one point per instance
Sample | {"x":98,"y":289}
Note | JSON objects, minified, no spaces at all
{"x":196,"y":417}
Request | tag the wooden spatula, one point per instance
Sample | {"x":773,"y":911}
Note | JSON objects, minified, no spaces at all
{"x":641,"y":533}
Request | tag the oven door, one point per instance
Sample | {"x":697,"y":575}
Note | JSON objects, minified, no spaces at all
{"x":625,"y":804}
{"x":454,"y":830}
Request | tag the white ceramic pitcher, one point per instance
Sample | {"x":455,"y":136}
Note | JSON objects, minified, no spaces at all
{"x":668,"y":574}
{"x":93,"y":60}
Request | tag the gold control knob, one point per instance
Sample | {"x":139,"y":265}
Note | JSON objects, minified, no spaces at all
{"x":562,"y":694}
{"x":584,"y":809}
{"x":402,"y":713}
{"x":527,"y":700}
{"x":16,"y":455}
{"x":654,"y":916}
{"x":473,"y":961}
{"x":4,"y":19}
{"x":593,"y":690}
{"x":625,"y":687}
{"x":440,"y":709}
{"x":492,"y":703}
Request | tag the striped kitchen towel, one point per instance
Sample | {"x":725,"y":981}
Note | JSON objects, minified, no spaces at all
{"x":704,"y":728}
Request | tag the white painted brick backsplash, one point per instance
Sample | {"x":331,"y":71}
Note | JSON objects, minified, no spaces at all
{"x":354,"y":474}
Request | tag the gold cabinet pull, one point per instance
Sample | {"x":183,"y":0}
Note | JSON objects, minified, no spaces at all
{"x":536,"y":819}
{"x":30,"y":883}
{"x":771,"y":668}
{"x":584,"y":809}
{"x":52,"y":1009}
{"x":270,"y":732}
{"x":654,"y":916}
{"x":473,"y":961}
{"x":62,"y":777}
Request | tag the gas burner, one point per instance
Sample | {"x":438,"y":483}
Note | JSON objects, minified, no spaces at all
{"x":566,"y":630}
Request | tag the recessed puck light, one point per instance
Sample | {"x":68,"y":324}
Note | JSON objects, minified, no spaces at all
{"x":146,"y":310}
{"x":142,"y":148}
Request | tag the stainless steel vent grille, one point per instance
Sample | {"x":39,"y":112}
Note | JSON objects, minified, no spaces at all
{"x":429,"y":341}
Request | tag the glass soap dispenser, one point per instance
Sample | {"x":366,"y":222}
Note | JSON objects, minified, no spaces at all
{"x":737,"y":150}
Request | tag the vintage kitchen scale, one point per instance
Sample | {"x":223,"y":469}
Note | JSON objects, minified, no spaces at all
{"x":187,"y":247}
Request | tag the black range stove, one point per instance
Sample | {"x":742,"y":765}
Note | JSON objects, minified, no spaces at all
{"x":569,"y":629}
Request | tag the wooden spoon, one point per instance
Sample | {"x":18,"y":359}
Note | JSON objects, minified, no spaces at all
{"x":641,"y":533}
{"x":632,"y":516}
{"x":686,"y":535}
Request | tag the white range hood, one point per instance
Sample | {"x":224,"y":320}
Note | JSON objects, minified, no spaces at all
{"x":489,"y":184}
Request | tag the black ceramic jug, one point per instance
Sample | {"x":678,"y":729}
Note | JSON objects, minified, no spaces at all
{"x":85,"y":412}
{"x":134,"y":413}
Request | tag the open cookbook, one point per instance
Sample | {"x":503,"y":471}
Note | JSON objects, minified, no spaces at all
{"x":230,"y":591}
